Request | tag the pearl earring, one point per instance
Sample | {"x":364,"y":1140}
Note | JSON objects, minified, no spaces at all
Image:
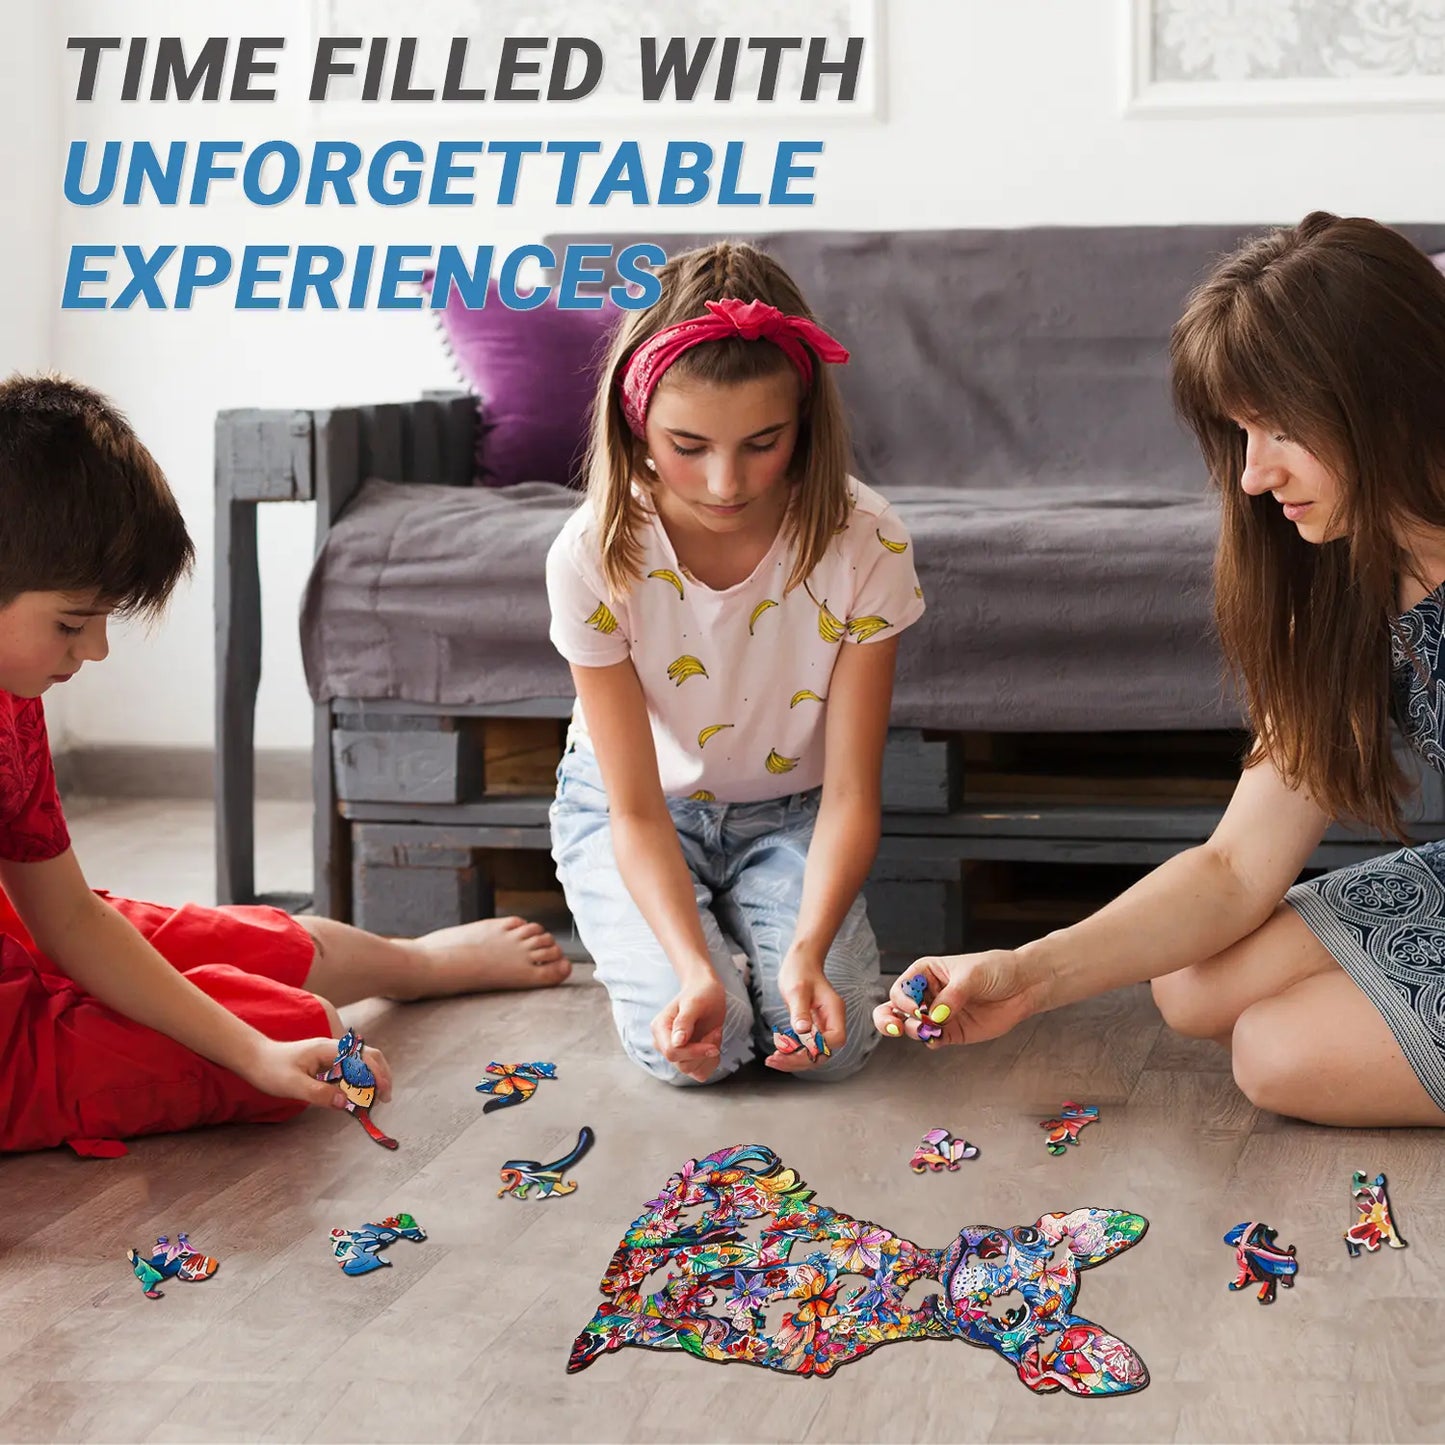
{"x":651,"y":465}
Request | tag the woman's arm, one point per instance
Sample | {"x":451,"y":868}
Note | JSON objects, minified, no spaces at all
{"x":649,"y":858}
{"x":103,"y":953}
{"x":1187,"y":910}
{"x":845,"y":837}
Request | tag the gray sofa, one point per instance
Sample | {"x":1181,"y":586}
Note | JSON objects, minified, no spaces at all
{"x":1008,"y":392}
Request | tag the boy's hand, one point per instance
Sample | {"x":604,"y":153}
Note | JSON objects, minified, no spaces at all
{"x":688,"y":1032}
{"x":814,"y":1006}
{"x":288,"y":1071}
{"x":971,"y":996}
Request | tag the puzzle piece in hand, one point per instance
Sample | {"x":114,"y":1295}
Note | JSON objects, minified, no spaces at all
{"x":352,"y":1075}
{"x":358,"y":1251}
{"x":514,"y":1084}
{"x":1260,"y":1260}
{"x":1375,"y":1224}
{"x":170,"y":1260}
{"x":694,"y":1273}
{"x":520,"y":1175}
{"x":917,"y":989}
{"x":938,"y":1149}
{"x":787,"y":1040}
{"x":1065,"y":1129}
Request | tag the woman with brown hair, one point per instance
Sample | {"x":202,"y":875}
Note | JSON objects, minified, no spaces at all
{"x":1311,"y":368}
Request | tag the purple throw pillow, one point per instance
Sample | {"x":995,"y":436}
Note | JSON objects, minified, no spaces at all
{"x":533,"y":374}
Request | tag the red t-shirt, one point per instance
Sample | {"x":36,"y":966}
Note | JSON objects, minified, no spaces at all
{"x":32,"y":825}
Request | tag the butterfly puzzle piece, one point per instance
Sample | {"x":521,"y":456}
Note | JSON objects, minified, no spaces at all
{"x":1261,"y":1261}
{"x":917,"y":989}
{"x":695,"y":1273}
{"x":787,"y":1040}
{"x":352,"y":1074}
{"x":358,"y":1251}
{"x":170,"y":1259}
{"x":1065,"y":1130}
{"x":520,"y":1175}
{"x":1375,"y":1226}
{"x":514,"y":1084}
{"x":938,"y":1150}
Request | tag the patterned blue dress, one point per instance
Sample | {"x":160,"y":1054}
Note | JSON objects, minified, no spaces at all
{"x":1384,"y":919}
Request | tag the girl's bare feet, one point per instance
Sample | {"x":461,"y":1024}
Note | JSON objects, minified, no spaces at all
{"x":493,"y":953}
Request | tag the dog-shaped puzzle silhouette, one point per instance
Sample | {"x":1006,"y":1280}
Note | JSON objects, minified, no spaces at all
{"x":710,"y":1281}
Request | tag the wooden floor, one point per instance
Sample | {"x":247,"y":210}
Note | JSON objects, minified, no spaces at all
{"x":466,"y":1336}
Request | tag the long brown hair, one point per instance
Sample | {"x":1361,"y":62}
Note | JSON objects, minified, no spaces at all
{"x":818,"y":502}
{"x":1333,"y":332}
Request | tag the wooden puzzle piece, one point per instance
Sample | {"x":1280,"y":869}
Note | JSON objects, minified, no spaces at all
{"x":358,"y":1251}
{"x":1375,"y":1226}
{"x":520,"y":1175}
{"x":1260,"y":1260}
{"x":170,"y":1260}
{"x":352,"y":1075}
{"x":938,"y":1149}
{"x":1065,"y":1130}
{"x":514,"y":1084}
{"x":787,"y":1040}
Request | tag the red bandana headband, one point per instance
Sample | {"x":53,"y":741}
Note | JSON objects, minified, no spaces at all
{"x":795,"y":336}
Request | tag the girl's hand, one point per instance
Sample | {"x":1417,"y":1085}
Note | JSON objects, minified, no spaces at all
{"x":813,"y":1007}
{"x":688,"y":1032}
{"x":972,"y":996}
{"x":288,"y":1071}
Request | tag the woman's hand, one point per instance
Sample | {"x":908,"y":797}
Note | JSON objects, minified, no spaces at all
{"x":814,"y":1006}
{"x":288,"y":1071}
{"x":971,"y":996}
{"x":688,"y":1032}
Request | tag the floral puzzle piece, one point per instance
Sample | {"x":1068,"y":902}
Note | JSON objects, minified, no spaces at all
{"x":691,"y":1274}
{"x":358,"y":1251}
{"x":170,"y":1260}
{"x":520,"y":1175}
{"x":938,"y":1149}
{"x":514,"y":1084}
{"x":1375,"y":1225}
{"x":1064,"y":1130}
{"x":787,"y":1040}
{"x":1261,"y":1261}
{"x":352,"y":1074}
{"x":917,"y":989}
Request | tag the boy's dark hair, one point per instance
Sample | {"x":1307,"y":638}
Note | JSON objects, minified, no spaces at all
{"x":84,"y":508}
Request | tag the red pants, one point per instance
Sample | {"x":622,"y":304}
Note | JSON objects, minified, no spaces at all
{"x":73,"y":1071}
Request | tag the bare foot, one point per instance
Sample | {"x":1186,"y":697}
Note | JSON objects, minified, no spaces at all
{"x":493,"y":953}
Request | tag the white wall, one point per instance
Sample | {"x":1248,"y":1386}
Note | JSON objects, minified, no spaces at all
{"x":997,"y":114}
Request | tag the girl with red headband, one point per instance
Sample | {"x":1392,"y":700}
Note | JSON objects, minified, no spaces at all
{"x":729,"y":599}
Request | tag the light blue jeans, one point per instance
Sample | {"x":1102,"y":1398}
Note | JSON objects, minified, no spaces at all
{"x":746,"y":861}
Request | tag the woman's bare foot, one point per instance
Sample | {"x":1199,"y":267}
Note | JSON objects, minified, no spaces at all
{"x":493,"y":953}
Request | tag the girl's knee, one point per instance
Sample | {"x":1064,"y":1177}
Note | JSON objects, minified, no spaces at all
{"x":333,"y":1018}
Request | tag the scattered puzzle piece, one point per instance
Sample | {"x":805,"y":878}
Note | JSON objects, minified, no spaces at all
{"x":170,"y":1261}
{"x":1260,"y":1260}
{"x":514,"y":1084}
{"x":1375,"y":1225}
{"x":358,"y":1251}
{"x":1065,"y":1129}
{"x":352,"y":1075}
{"x":938,"y":1149}
{"x":787,"y":1040}
{"x":520,"y":1175}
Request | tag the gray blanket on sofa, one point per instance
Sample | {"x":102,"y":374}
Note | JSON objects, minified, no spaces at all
{"x":1049,"y":609}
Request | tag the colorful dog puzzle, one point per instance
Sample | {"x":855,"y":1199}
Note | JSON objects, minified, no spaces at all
{"x":917,"y":989}
{"x":1374,"y":1226}
{"x":520,"y":1175}
{"x":1261,"y":1261}
{"x":170,"y":1261}
{"x":358,"y":1251}
{"x":938,"y":1149}
{"x":1010,"y":1290}
{"x":1064,"y":1130}
{"x":352,"y":1075}
{"x":787,"y":1040}
{"x":514,"y":1084}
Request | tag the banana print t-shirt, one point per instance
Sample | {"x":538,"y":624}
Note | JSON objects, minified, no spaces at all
{"x":736,"y":681}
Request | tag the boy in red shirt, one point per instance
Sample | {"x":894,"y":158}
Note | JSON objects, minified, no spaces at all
{"x":120,"y":1018}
